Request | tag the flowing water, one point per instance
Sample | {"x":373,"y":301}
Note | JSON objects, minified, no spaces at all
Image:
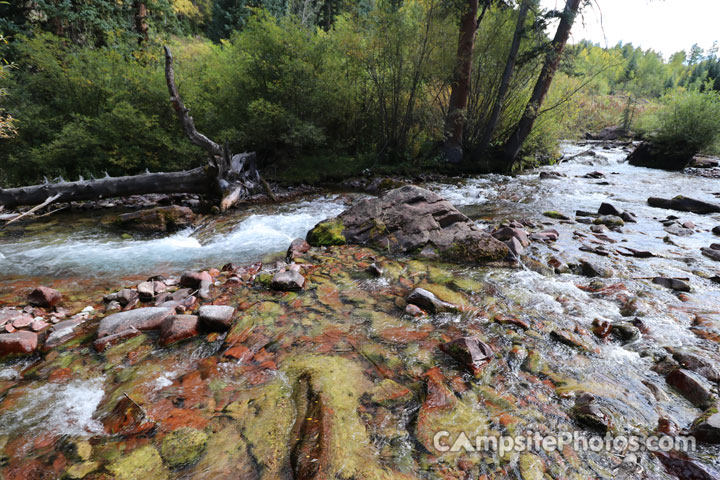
{"x":620,"y":374}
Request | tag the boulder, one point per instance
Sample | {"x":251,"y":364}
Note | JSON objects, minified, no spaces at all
{"x":216,"y":317}
{"x":160,"y":219}
{"x":700,"y":161}
{"x":410,"y":219}
{"x":177,"y":328}
{"x":608,"y":134}
{"x":44,"y":297}
{"x":650,"y":155}
{"x":146,"y":291}
{"x":429,"y":302}
{"x":62,"y":332}
{"x":691,"y":386}
{"x":18,"y":343}
{"x":194,"y":279}
{"x":148,"y":318}
{"x":470,"y":352}
{"x":608,"y":209}
{"x":297,"y":248}
{"x":711,"y":253}
{"x":287,"y":281}
{"x":127,"y":297}
{"x":684,"y":204}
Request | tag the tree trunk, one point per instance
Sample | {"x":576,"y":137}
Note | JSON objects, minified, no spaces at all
{"x":191,"y":181}
{"x":504,"y":83}
{"x":141,"y":25}
{"x":461,"y":83}
{"x":233,"y":177}
{"x":552,"y":60}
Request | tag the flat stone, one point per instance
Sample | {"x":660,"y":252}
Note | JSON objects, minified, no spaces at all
{"x":177,"y":328}
{"x":429,"y":302}
{"x":711,"y":253}
{"x":691,"y":386}
{"x":18,"y":343}
{"x":38,"y":325}
{"x":44,"y":297}
{"x":148,"y":318}
{"x":287,"y":281}
{"x":23,"y":321}
{"x":62,"y":332}
{"x":698,"y":364}
{"x":216,"y":317}
{"x":684,"y":204}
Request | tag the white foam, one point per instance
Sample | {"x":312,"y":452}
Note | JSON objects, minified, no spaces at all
{"x":65,"y":409}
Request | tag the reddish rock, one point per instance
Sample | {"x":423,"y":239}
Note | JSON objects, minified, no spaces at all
{"x":509,"y":320}
{"x":470,"y":352}
{"x":177,"y":328}
{"x":692,"y":386}
{"x":287,"y":281}
{"x":18,"y":343}
{"x":38,"y":325}
{"x":414,"y":310}
{"x":44,"y":297}
{"x":217,"y":317}
{"x":297,"y":248}
{"x":23,"y":321}
{"x":62,"y":332}
{"x":195,"y":279}
{"x":127,"y":297}
{"x":149,"y":318}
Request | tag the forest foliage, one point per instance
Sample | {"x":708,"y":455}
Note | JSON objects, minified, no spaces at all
{"x":314,"y":86}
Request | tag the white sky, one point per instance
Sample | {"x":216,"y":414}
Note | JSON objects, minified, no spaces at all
{"x":666,"y":26}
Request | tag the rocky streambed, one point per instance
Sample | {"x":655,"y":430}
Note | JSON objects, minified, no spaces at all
{"x":576,"y":308}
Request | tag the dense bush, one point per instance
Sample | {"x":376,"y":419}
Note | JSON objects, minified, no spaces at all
{"x":691,"y":119}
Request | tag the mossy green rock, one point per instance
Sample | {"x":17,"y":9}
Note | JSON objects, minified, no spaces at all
{"x":144,"y":463}
{"x":183,"y":446}
{"x":556,"y":215}
{"x":327,"y":233}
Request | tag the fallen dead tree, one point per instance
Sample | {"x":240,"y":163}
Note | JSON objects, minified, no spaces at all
{"x":229,"y":177}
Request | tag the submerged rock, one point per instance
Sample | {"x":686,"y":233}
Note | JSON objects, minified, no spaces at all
{"x":590,"y":414}
{"x":429,"y":302}
{"x":472,"y":353}
{"x":183,"y":446}
{"x":691,"y":386}
{"x":144,"y":463}
{"x":160,"y":219}
{"x":44,"y":297}
{"x":410,"y":219}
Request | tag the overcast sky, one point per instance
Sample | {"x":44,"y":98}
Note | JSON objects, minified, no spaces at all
{"x":666,"y":26}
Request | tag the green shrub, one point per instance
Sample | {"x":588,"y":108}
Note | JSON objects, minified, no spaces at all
{"x":689,"y":118}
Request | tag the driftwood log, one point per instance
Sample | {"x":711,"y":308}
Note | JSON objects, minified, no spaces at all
{"x":230,"y":177}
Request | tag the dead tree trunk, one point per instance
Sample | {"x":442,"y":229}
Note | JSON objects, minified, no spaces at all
{"x":542,"y":86}
{"x":231,"y":177}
